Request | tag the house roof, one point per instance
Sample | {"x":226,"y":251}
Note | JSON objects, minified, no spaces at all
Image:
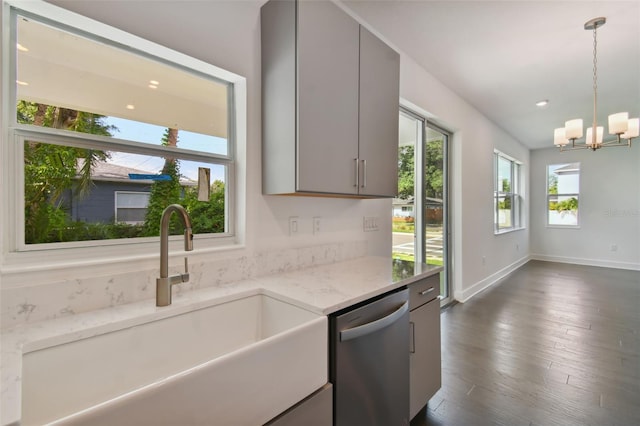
{"x":410,"y":201}
{"x":109,"y":172}
{"x":571,"y":168}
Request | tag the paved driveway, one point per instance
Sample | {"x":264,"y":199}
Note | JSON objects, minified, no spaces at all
{"x":404,"y":243}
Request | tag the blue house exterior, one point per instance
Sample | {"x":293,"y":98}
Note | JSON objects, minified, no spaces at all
{"x":114,"y":196}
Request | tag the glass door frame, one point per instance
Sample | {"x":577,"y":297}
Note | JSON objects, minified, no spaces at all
{"x":420,"y":232}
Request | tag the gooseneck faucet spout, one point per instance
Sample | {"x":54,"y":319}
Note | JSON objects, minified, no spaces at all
{"x":164,"y":283}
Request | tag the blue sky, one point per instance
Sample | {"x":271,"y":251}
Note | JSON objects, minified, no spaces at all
{"x":149,"y":133}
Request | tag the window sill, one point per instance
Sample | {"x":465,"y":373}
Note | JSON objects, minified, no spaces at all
{"x":562,"y":226}
{"x":507,"y":231}
{"x":92,"y":261}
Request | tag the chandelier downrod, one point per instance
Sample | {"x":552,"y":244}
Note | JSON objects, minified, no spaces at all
{"x":594,"y":126}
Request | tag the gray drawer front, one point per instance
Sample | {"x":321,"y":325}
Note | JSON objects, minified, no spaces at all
{"x":424,"y":291}
{"x":315,"y":410}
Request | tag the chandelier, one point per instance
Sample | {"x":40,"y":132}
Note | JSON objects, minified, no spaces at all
{"x":619,"y":124}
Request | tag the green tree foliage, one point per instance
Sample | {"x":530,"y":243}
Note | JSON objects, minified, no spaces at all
{"x":206,"y":217}
{"x":570,"y":204}
{"x":506,"y":185}
{"x":165,"y":192}
{"x":434,"y":183}
{"x":505,"y":204}
{"x":553,"y":183}
{"x":406,"y":171}
{"x":51,"y":171}
{"x":434,"y":167}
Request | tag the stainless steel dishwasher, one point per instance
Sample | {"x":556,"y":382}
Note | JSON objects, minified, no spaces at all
{"x":369,"y":363}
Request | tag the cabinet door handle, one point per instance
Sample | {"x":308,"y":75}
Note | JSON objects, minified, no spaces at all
{"x":357,"y":172}
{"x":429,"y":290}
{"x":412,"y":347}
{"x":364,"y":173}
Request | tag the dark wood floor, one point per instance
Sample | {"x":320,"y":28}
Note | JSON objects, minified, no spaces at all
{"x":554,"y":344}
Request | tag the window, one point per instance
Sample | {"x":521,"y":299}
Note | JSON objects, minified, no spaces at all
{"x":131,"y":207}
{"x":563,"y":193}
{"x":106,"y":135}
{"x":506,"y":193}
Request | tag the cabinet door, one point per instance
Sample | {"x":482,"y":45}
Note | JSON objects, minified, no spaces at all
{"x":327,"y":146}
{"x":425,"y":355}
{"x":379,"y":106}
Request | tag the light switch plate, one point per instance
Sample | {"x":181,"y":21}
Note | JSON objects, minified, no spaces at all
{"x":370,"y":224}
{"x":293,"y":225}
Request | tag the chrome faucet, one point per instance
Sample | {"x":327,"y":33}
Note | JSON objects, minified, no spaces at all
{"x":164,"y":283}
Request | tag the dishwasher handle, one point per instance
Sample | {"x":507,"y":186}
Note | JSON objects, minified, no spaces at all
{"x":373,"y":326}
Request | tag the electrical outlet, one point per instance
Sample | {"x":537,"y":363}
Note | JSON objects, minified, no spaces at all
{"x":293,"y":225}
{"x":484,"y":260}
{"x":614,"y":247}
{"x":316,"y":225}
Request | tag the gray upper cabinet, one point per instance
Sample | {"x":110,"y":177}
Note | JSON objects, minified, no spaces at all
{"x":330,"y":93}
{"x":379,"y":103}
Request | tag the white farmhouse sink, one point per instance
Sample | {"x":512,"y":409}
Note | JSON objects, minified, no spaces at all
{"x":237,"y":363}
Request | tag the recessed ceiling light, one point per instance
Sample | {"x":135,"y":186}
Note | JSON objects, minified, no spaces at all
{"x":153,"y":86}
{"x":22,"y":83}
{"x":21,"y":48}
{"x":154,"y":82}
{"x":131,"y":106}
{"x":542,"y":103}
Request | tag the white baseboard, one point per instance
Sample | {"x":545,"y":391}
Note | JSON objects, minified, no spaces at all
{"x":589,"y":262}
{"x":491,"y":280}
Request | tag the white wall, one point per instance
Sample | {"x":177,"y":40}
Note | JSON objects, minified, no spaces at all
{"x":227,"y":34}
{"x":609,"y":209}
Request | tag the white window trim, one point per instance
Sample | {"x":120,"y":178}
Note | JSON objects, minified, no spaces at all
{"x":107,"y":251}
{"x":517,"y":182}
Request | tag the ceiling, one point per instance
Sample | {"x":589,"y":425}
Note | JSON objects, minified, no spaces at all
{"x":101,"y":78}
{"x":504,"y":56}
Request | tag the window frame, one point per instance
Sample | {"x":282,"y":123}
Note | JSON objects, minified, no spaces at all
{"x":515,"y":195}
{"x":420,"y":202}
{"x":15,"y":254}
{"x":565,"y":194}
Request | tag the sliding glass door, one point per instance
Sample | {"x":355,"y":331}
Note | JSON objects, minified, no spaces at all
{"x":420,"y":212}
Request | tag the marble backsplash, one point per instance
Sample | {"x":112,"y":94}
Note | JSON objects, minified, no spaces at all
{"x":39,"y":302}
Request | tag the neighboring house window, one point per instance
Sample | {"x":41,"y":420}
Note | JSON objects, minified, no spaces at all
{"x":88,"y":113}
{"x":563,"y":193}
{"x":507,"y":199}
{"x":131,"y":207}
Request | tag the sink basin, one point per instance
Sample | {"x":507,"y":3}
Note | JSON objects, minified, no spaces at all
{"x":237,"y":363}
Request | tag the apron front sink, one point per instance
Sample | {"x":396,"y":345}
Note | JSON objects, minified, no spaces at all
{"x":236,"y":363}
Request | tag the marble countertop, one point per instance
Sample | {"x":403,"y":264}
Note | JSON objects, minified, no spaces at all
{"x":321,"y":289}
